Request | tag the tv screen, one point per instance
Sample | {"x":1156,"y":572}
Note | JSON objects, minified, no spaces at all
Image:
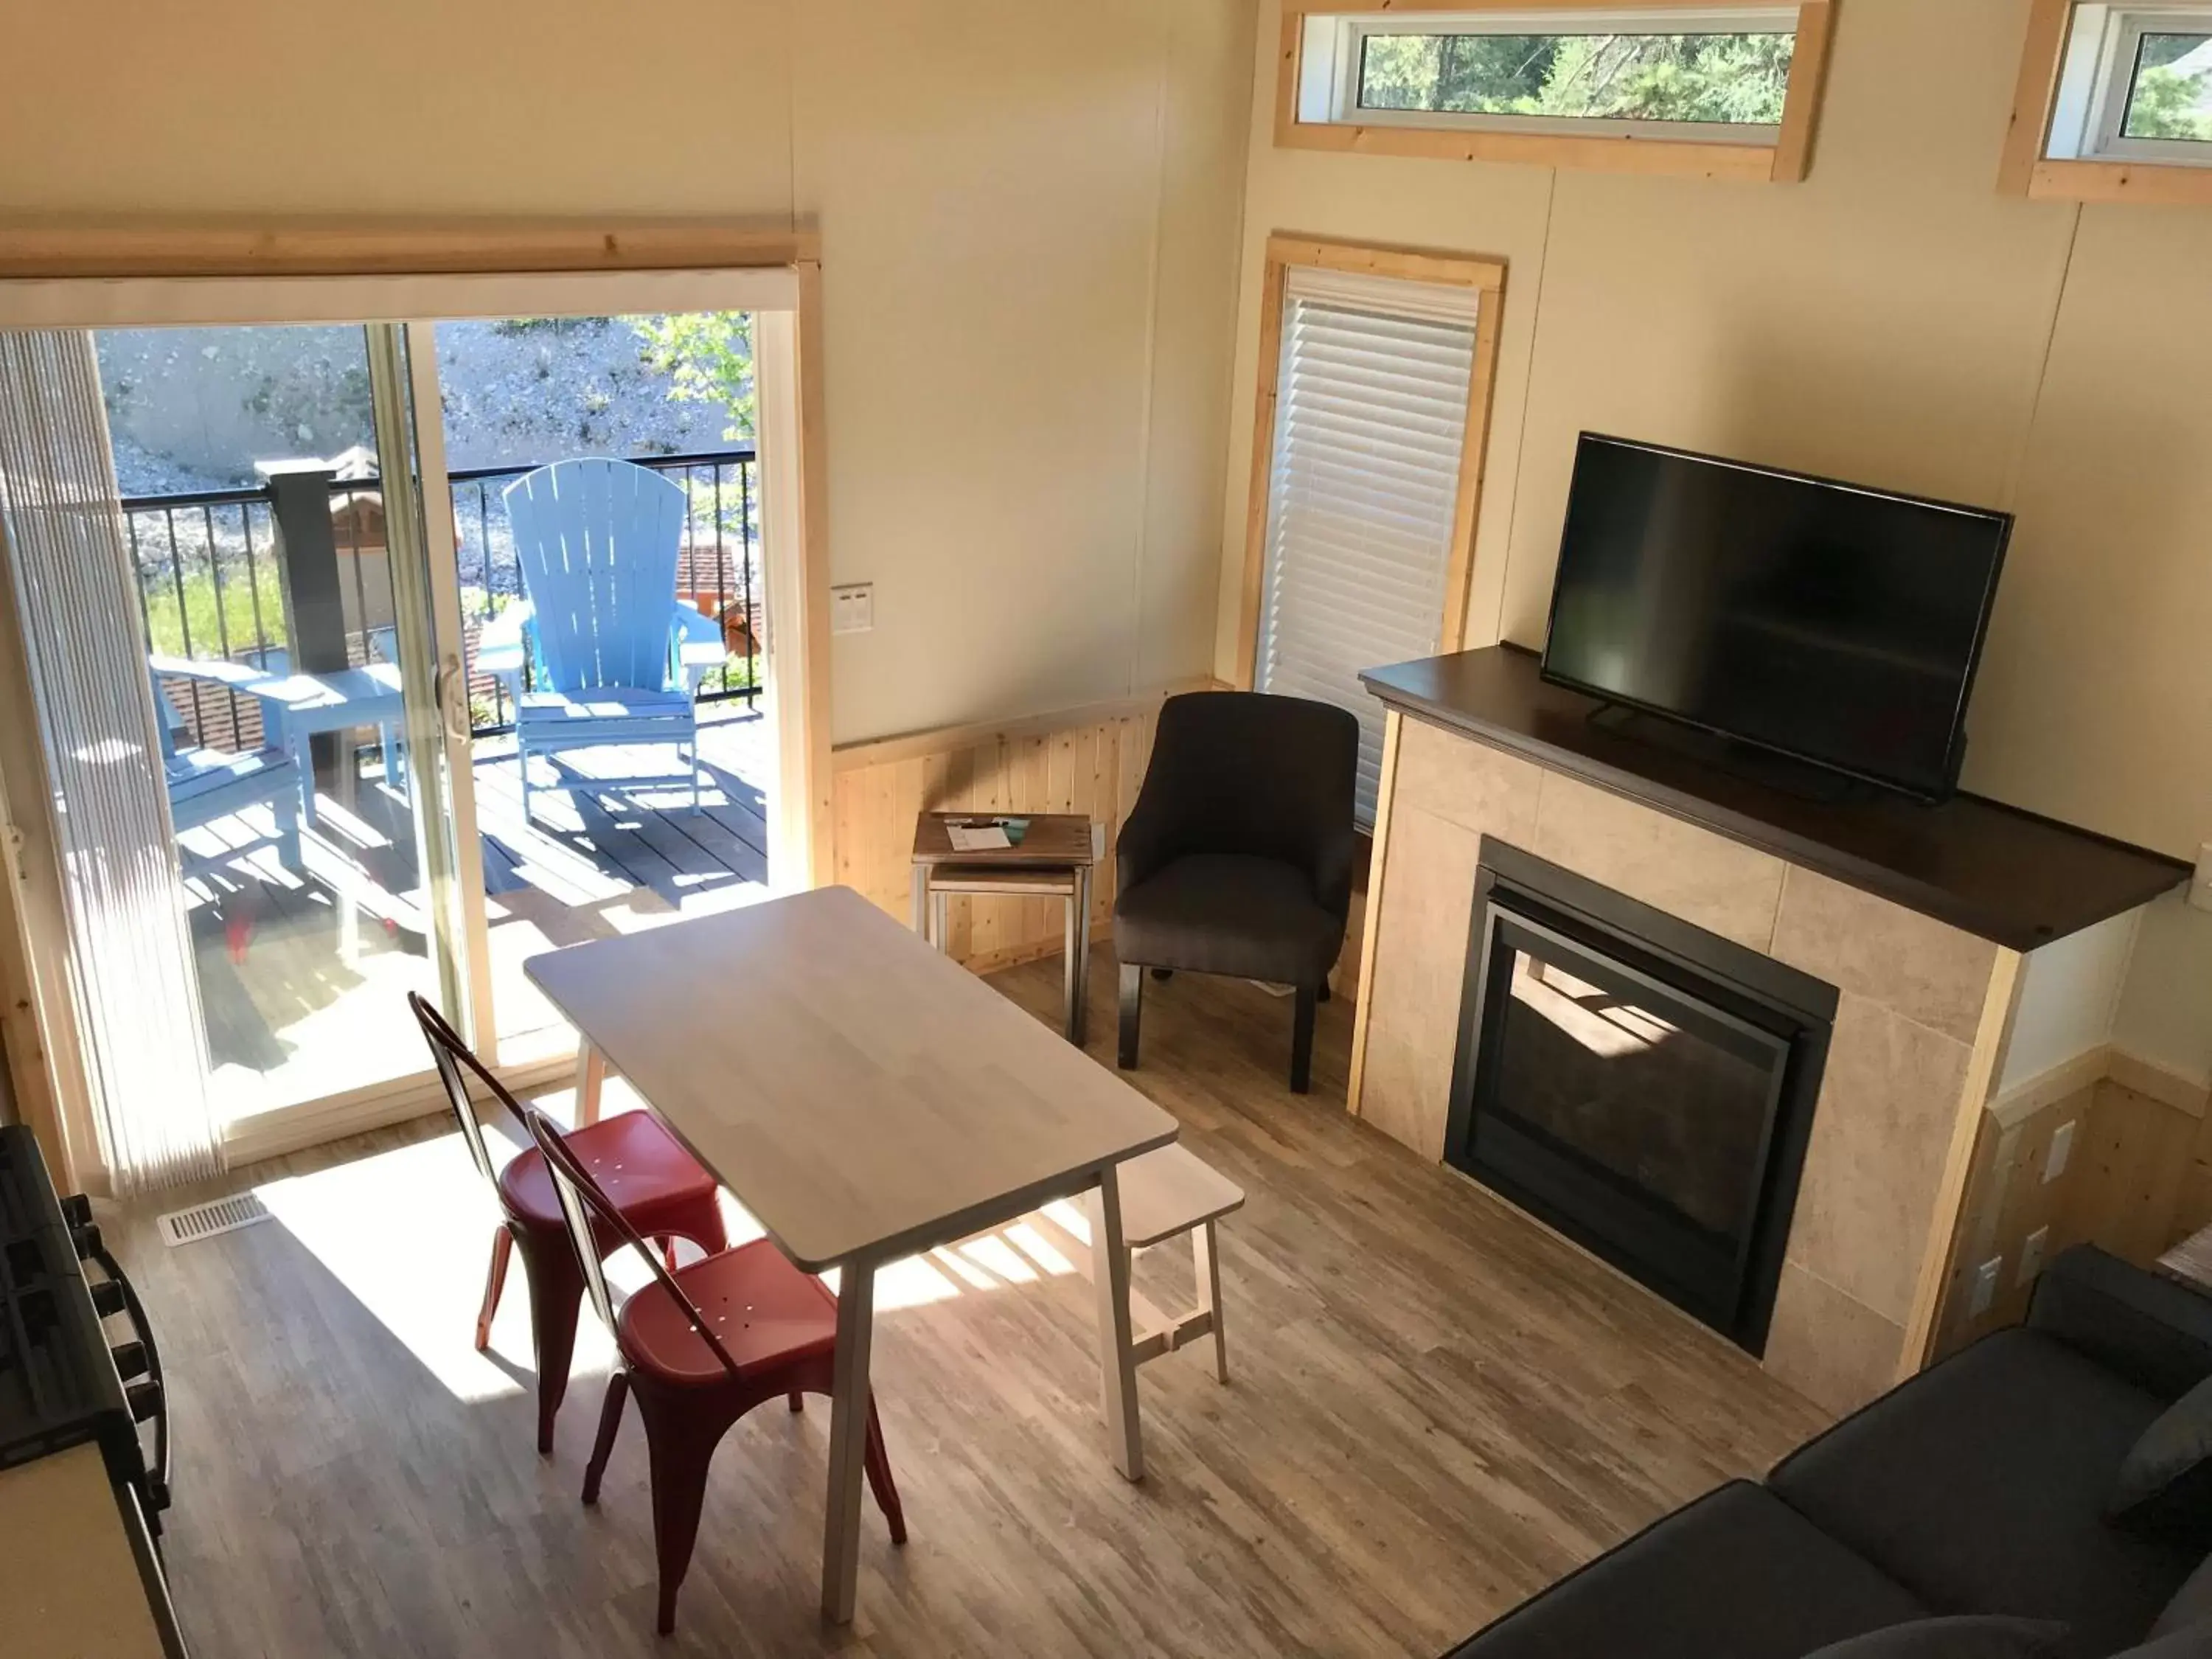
{"x":1837,"y":625}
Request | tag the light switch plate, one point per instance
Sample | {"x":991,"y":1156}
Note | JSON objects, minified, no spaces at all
{"x":1985,"y":1285}
{"x":852,"y":608}
{"x":2031,"y":1253}
{"x":2062,"y":1152}
{"x":2200,"y":888}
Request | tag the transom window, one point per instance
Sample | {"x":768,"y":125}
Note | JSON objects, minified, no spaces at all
{"x":1684,"y":74}
{"x":2135,"y":85}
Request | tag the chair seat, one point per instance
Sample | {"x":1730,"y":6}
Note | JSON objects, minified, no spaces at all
{"x":1219,"y":913}
{"x":1169,"y":1190}
{"x":765,"y":1311}
{"x":196,"y":772}
{"x":643,"y":1168}
{"x":554,"y":709}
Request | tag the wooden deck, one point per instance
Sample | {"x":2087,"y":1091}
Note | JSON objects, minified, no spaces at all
{"x":302,"y":974}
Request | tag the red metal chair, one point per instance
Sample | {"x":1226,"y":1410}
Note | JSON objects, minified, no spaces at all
{"x":699,"y":1347}
{"x":659,"y":1187}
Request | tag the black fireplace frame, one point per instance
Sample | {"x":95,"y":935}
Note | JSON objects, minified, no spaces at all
{"x":1747,"y":990}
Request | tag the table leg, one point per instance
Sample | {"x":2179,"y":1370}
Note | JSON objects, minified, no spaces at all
{"x":1083,"y":956}
{"x":921,"y":900}
{"x":1117,"y":1367}
{"x":591,"y":1075}
{"x":848,"y":1435}
{"x":1071,"y":968}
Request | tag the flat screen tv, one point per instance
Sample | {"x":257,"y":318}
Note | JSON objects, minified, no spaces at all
{"x":1834,"y":623}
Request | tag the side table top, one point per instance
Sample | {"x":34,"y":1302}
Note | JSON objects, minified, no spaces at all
{"x":1057,"y":839}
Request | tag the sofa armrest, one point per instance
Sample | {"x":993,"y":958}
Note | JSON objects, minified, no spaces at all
{"x":2154,"y":1331}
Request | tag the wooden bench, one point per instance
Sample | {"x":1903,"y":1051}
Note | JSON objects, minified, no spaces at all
{"x":1165,"y":1193}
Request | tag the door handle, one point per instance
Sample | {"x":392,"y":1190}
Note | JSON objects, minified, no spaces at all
{"x":452,"y":684}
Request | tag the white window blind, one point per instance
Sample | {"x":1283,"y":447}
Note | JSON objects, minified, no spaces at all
{"x":1371,"y":420}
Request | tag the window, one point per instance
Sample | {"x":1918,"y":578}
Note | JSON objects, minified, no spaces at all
{"x":1374,"y":395}
{"x":2136,"y":86}
{"x":1563,"y":85}
{"x":2115,"y":103}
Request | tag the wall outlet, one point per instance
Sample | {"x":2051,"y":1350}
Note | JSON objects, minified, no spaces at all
{"x":2200,"y":888}
{"x":852,"y":608}
{"x":2031,"y":1254}
{"x":1985,"y":1285}
{"x":2062,"y":1152}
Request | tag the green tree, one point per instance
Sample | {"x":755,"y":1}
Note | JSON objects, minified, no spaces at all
{"x":708,"y":358}
{"x":1729,"y":78}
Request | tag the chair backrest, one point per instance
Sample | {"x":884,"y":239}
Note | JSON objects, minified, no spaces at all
{"x":583,"y":1202}
{"x":1251,"y":773}
{"x":598,"y":542}
{"x":452,"y":1056}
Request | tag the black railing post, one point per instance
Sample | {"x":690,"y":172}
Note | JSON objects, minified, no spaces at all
{"x":314,"y":595}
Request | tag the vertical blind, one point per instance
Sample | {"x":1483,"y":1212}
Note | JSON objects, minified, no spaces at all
{"x":130,"y":952}
{"x":1371,"y":420}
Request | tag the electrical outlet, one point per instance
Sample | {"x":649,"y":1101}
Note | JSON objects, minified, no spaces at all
{"x":2062,"y":1152}
{"x":1985,"y":1285}
{"x":852,"y":608}
{"x":2200,"y":888}
{"x":2031,"y":1254}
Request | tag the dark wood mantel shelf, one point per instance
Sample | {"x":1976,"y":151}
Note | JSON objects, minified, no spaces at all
{"x":1994,"y":871}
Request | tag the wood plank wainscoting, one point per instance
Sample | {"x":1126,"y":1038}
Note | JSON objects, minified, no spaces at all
{"x":1088,"y":759}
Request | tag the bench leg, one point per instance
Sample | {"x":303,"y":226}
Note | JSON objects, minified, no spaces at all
{"x":1133,"y":1000}
{"x":1206,"y":1261}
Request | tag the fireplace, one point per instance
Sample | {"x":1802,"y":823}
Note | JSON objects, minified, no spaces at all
{"x":1640,"y":1085}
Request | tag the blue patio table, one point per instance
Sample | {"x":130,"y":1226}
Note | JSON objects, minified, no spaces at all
{"x":295,"y":707}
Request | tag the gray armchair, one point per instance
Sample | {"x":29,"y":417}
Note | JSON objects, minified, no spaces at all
{"x":1236,"y":858}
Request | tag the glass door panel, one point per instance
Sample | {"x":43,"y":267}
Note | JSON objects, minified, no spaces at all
{"x":273,"y":514}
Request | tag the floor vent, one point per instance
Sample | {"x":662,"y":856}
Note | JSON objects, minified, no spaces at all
{"x":224,"y":1215}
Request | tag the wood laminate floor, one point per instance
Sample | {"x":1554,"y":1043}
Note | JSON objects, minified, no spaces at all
{"x":1437,"y":1408}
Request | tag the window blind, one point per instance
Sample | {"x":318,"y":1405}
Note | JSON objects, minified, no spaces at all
{"x":1371,"y":420}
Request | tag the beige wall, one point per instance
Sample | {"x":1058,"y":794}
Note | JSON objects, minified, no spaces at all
{"x":1893,"y":320}
{"x":1029,"y":236}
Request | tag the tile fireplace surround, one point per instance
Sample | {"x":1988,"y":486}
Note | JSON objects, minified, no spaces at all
{"x":1924,"y":1015}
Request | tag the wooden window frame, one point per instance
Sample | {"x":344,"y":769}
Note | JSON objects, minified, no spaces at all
{"x":1487,"y":275}
{"x":1787,"y":161}
{"x":2028,"y":171}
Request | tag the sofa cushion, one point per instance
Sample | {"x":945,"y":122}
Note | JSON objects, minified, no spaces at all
{"x":2192,"y":1603}
{"x":1223,"y":912}
{"x":1972,"y":1636}
{"x":1980,"y":1486}
{"x":2166,"y":1483}
{"x":1736,"y":1574}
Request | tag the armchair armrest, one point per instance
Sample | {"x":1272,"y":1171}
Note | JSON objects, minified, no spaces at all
{"x":2153,"y":1330}
{"x":698,"y":642}
{"x":1148,"y":840}
{"x":503,"y":642}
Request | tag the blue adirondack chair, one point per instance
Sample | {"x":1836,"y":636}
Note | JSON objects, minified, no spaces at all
{"x":207,"y":784}
{"x":620,"y":658}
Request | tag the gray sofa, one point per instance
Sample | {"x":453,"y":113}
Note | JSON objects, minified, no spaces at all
{"x":1979,"y":1486}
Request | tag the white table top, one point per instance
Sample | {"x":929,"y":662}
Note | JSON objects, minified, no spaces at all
{"x":298,"y":694}
{"x":863,"y":1096}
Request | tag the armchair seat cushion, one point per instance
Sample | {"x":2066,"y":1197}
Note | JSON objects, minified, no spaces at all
{"x":1224,"y":913}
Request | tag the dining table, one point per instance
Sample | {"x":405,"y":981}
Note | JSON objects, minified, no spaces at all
{"x":865,"y":1099}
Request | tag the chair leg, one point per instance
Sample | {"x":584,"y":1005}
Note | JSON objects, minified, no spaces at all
{"x":1302,"y":1024}
{"x":1206,"y":1262}
{"x":695,"y":773}
{"x":1133,"y":1000}
{"x":1163,"y":975}
{"x":1323,"y":993}
{"x":522,"y":771}
{"x":681,"y":1445}
{"x":876,"y":1459}
{"x":611,"y":1412}
{"x":797,"y":1403}
{"x":557,"y":1297}
{"x":286,"y":810}
{"x":502,"y":1250}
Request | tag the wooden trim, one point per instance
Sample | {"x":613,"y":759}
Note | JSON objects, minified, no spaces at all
{"x":1801,"y":104}
{"x":2069,"y":1077}
{"x":1784,"y":162}
{"x":350,"y":247}
{"x":2154,"y":1082}
{"x":914,"y":745}
{"x":1487,"y":276}
{"x":1941,"y":1252}
{"x":2145,"y":182}
{"x":1370,"y":930}
{"x":2041,"y":56}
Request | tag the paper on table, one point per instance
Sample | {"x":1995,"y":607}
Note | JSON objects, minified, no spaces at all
{"x":984,"y":838}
